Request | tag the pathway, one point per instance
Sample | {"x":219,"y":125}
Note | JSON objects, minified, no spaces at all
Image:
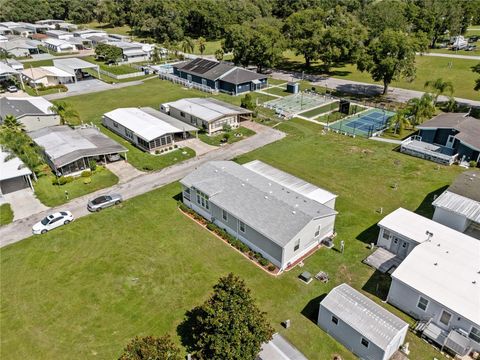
{"x":386,"y":140}
{"x":124,"y":171}
{"x":197,"y":145}
{"x":452,"y":56}
{"x":92,"y":90}
{"x":21,"y":229}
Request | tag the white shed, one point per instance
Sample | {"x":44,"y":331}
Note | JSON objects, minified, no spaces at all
{"x":362,"y":326}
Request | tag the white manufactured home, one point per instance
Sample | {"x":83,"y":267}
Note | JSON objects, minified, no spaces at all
{"x":362,"y":326}
{"x":272,"y":212}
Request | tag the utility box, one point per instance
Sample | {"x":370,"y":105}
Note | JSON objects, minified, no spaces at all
{"x":293,"y":87}
{"x":344,"y":107}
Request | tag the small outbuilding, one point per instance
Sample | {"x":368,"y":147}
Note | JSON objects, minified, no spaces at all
{"x":14,"y":175}
{"x":362,"y":326}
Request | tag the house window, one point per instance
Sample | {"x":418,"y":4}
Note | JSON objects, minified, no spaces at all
{"x":317,"y":232}
{"x":182,"y":114}
{"x":365,"y":342}
{"x":422,"y":303}
{"x":241,"y":225}
{"x":386,"y":234}
{"x":202,"y":200}
{"x":445,"y":318}
{"x":334,"y":320}
{"x":224,"y":215}
{"x":186,"y":193}
{"x":474,"y":334}
{"x":129,"y":133}
{"x":297,"y":245}
{"x":115,"y":124}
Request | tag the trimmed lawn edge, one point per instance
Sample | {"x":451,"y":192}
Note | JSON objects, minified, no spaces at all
{"x":6,"y":214}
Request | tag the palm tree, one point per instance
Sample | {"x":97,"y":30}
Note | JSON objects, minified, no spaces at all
{"x":66,"y":112}
{"x":421,"y":108}
{"x":11,"y":122}
{"x":439,"y":87}
{"x":187,"y":45}
{"x":219,"y":54}
{"x":202,"y":44}
{"x":399,"y":122}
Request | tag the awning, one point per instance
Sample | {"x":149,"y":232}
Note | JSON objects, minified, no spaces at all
{"x":256,"y":82}
{"x":435,"y":333}
{"x":457,"y":343}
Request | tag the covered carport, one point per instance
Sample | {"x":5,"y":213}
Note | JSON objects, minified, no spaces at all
{"x":14,"y":175}
{"x":7,"y":72}
{"x":74,"y":66}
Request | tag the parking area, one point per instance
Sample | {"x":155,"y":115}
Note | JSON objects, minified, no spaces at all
{"x":24,"y":203}
{"x":88,"y":86}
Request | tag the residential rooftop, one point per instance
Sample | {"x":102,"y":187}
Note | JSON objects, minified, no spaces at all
{"x":11,"y":168}
{"x":21,"y":106}
{"x":371,"y":320}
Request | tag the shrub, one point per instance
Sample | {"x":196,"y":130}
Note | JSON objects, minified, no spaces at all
{"x":473,"y":164}
{"x":92,"y":164}
{"x":242,"y":247}
{"x":69,"y":179}
{"x":147,"y":168}
{"x":183,"y":207}
{"x":258,"y":256}
{"x":175,"y":146}
{"x":86,"y":173}
{"x":157,"y":151}
{"x":170,"y":148}
{"x":87,"y":181}
{"x":271,"y":267}
{"x":211,"y":227}
{"x":263,"y":262}
{"x":61,"y":180}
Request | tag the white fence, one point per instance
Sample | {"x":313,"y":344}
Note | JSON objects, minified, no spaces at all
{"x":122,"y":76}
{"x":191,"y":85}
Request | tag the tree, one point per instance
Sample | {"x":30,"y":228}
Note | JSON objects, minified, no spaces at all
{"x":247,"y":102}
{"x":303,"y":31}
{"x":188,"y":45}
{"x":11,"y":122}
{"x":476,"y":69}
{"x":219,"y":54}
{"x":202,"y":44}
{"x":66,"y":112}
{"x":421,"y":108}
{"x":229,"y":326}
{"x":439,"y":87}
{"x":156,"y":56}
{"x":399,"y":121}
{"x":151,"y":348}
{"x":383,"y":15}
{"x":111,"y":12}
{"x":389,"y":57}
{"x":109,"y":53}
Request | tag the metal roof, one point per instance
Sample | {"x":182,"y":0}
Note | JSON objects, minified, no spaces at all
{"x":459,"y":204}
{"x":11,"y":168}
{"x":73,"y":63}
{"x":273,"y":210}
{"x":445,"y":268}
{"x":64,"y":145}
{"x":376,"y":324}
{"x":144,"y":125}
{"x":180,"y":125}
{"x":291,"y":182}
{"x":7,"y":69}
{"x":24,"y":106}
{"x":207,"y":109}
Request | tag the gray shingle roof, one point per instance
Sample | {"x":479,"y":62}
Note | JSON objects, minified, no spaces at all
{"x":273,"y":210}
{"x":370,"y":319}
{"x":240,"y":76}
{"x":20,"y":107}
{"x":64,"y":145}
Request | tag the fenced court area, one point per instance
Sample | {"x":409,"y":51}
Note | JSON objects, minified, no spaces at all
{"x":366,"y":123}
{"x":291,"y":105}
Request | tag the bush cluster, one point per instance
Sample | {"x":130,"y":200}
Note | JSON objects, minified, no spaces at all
{"x":229,"y":238}
{"x":86,"y":173}
{"x":62,"y":87}
{"x":62,"y":180}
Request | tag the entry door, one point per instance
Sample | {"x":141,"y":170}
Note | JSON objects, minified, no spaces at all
{"x":450,"y":141}
{"x":403,"y":249}
{"x":394,"y":245}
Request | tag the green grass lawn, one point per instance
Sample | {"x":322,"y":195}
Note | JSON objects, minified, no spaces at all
{"x":428,"y":68}
{"x":210,"y":47}
{"x":83,"y":290}
{"x":37,"y":63}
{"x":53,"y":195}
{"x":280,"y":91}
{"x":6,"y":214}
{"x":114,"y":69}
{"x":121,"y":30}
{"x":216,"y":140}
{"x":32,"y":92}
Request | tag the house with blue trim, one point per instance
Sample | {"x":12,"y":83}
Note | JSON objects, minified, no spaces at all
{"x":220,"y":76}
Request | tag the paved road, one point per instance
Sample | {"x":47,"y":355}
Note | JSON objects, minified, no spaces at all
{"x":356,"y":87}
{"x":21,"y":229}
{"x":452,"y":56}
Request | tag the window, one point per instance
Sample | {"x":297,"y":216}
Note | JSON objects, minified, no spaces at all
{"x":115,"y":124}
{"x":317,"y":232}
{"x":334,"y":320}
{"x":297,"y":245}
{"x":202,"y":200}
{"x":182,"y":114}
{"x":445,"y":318}
{"x":241,"y":225}
{"x":422,"y":303}
{"x":474,"y":334}
{"x":186,"y":193}
{"x":386,"y":234}
{"x":224,"y":215}
{"x":365,"y":342}
{"x":129,"y":133}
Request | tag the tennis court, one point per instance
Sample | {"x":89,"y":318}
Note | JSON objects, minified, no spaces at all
{"x":365,"y":124}
{"x":293,"y":104}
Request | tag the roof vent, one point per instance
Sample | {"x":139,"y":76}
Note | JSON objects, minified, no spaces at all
{"x":266,"y":197}
{"x":246,"y":179}
{"x":294,"y":212}
{"x":436,"y":264}
{"x":216,"y":170}
{"x":270,"y":184}
{"x":474,"y":282}
{"x":243,"y":184}
{"x":270,"y":192}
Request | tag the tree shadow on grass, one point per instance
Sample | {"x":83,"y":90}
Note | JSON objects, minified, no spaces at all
{"x":378,"y":285}
{"x":310,"y":311}
{"x":426,"y":208}
{"x":186,"y":329}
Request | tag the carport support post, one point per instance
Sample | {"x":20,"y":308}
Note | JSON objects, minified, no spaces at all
{"x":98,"y":72}
{"x":29,"y":182}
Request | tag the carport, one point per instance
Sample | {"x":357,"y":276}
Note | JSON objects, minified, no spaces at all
{"x":14,"y":175}
{"x":75,"y":65}
{"x":6,"y":71}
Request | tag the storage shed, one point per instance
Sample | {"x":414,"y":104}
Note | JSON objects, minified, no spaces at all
{"x":362,"y":326}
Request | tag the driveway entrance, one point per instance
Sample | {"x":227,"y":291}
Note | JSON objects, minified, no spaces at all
{"x":24,"y":203}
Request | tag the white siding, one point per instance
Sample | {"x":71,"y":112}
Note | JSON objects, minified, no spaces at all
{"x":450,"y":219}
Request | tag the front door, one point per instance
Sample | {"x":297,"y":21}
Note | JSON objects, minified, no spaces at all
{"x":403,"y":249}
{"x":450,"y":141}
{"x":394,"y":245}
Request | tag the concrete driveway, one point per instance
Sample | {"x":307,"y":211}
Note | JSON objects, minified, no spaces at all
{"x":24,"y":203}
{"x":198,"y":145}
{"x":280,"y":349}
{"x":124,"y":171}
{"x":88,"y":86}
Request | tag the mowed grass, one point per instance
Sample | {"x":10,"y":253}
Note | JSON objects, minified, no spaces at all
{"x":83,"y":290}
{"x":235,"y":135}
{"x":6,"y":214}
{"x":427,"y":68}
{"x":53,"y":195}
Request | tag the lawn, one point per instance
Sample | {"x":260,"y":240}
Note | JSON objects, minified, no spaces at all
{"x":280,"y":91}
{"x":114,"y":69}
{"x":54,"y":195}
{"x":6,"y":214}
{"x":121,"y":30}
{"x":216,"y":140}
{"x":82,"y":291}
{"x":37,"y":63}
{"x":210,"y":47}
{"x":32,"y":92}
{"x":428,"y":68}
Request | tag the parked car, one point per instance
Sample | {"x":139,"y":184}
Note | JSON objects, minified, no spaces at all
{"x":52,"y":221}
{"x":104,"y":201}
{"x":12,"y":89}
{"x":471,"y":48}
{"x":113,"y":157}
